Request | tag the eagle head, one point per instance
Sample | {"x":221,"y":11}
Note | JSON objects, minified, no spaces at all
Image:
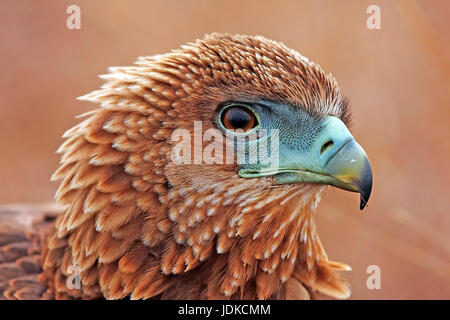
{"x":198,"y":176}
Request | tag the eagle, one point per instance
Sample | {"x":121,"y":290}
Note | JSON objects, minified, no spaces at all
{"x":141,"y":217}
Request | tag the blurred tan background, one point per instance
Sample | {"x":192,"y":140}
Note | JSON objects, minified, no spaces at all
{"x":398,"y":80}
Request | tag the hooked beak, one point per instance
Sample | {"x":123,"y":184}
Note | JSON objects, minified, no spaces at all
{"x":349,"y":169}
{"x":335,"y":158}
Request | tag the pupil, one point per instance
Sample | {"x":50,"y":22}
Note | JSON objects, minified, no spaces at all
{"x":239,"y":119}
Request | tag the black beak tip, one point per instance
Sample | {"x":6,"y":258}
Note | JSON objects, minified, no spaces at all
{"x":365,"y":195}
{"x":363,"y":203}
{"x":366,"y":187}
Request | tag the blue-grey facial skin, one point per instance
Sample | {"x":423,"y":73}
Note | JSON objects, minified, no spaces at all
{"x":310,"y":149}
{"x":297,"y":128}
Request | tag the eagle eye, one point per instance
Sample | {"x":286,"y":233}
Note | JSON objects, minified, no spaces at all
{"x":238,"y":117}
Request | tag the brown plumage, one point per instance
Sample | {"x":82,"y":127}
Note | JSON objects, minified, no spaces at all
{"x":137,"y":225}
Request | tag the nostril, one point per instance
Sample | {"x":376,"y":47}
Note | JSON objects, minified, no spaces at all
{"x":327,"y":145}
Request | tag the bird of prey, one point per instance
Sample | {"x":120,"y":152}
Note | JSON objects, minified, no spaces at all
{"x":137,"y":224}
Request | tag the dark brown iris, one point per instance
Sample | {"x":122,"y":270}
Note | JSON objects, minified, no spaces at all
{"x":238,"y":117}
